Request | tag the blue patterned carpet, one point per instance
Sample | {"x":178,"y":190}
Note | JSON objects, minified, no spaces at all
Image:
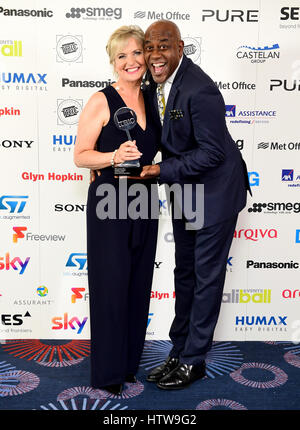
{"x":54,"y":375}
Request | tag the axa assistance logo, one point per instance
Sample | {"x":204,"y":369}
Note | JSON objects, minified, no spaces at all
{"x":249,"y":116}
{"x":290,"y":177}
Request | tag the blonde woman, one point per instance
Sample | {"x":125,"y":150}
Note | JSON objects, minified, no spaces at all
{"x":121,"y":252}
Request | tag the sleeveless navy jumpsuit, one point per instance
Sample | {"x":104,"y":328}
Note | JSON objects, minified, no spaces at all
{"x":121,"y":255}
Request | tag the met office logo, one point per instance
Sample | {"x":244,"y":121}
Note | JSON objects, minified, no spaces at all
{"x":192,"y":48}
{"x":155,"y":15}
{"x":95,"y":13}
{"x":69,"y":48}
{"x":68,"y":111}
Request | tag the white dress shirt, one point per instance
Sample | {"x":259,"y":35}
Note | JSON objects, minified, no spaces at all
{"x":167,"y":85}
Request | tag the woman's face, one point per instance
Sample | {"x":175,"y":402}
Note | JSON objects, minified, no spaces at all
{"x":129,"y":62}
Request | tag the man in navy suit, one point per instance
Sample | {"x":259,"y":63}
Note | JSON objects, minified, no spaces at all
{"x":196,"y":149}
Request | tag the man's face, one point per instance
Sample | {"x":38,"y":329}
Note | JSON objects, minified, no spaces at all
{"x":162,"y":51}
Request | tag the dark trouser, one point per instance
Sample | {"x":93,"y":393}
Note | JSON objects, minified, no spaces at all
{"x":200,"y":259}
{"x":121,"y":256}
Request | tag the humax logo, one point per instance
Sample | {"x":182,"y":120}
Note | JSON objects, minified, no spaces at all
{"x":13,"y":203}
{"x":64,"y":323}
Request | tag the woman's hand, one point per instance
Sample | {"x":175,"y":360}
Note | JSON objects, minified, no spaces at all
{"x":127,"y":151}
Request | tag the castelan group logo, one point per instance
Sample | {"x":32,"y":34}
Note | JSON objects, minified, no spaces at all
{"x":258,"y":54}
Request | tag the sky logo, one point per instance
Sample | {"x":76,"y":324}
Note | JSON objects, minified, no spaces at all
{"x":16,"y":263}
{"x":253,"y":179}
{"x":230,"y":110}
{"x":78,"y":260}
{"x":13,"y":203}
{"x":287,"y":175}
{"x":64,"y":323}
{"x":297,"y":236}
{"x":18,"y":233}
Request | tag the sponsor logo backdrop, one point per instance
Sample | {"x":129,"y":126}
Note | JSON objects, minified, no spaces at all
{"x":53,"y":57}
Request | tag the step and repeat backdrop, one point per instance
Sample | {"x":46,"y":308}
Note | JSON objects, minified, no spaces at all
{"x":53,"y":58}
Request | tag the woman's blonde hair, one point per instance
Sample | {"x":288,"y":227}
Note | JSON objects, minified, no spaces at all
{"x":119,"y":38}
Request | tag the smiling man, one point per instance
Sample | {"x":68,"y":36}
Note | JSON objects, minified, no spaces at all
{"x":196,"y":149}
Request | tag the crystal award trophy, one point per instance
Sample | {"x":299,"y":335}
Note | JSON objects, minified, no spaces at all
{"x":125,"y":119}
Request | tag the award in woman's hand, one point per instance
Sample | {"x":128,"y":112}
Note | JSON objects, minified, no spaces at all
{"x":125,"y":119}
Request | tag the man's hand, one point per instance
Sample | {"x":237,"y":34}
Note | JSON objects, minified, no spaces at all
{"x":93,"y":174}
{"x":150,"y":172}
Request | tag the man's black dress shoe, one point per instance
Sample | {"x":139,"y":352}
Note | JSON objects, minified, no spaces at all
{"x":130,"y":378}
{"x":160,"y":371}
{"x":182,"y":376}
{"x":114,"y":389}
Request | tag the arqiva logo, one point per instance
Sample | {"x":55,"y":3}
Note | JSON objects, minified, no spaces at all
{"x":64,"y":323}
{"x":256,"y":234}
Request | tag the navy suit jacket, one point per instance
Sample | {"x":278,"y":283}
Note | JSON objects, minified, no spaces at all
{"x":197,"y":147}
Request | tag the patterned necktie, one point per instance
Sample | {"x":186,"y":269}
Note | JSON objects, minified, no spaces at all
{"x":161,"y":102}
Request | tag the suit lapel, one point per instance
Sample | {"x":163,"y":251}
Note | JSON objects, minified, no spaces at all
{"x":173,"y":92}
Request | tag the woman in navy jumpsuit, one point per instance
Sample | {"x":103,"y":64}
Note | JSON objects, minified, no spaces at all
{"x":121,"y":252}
